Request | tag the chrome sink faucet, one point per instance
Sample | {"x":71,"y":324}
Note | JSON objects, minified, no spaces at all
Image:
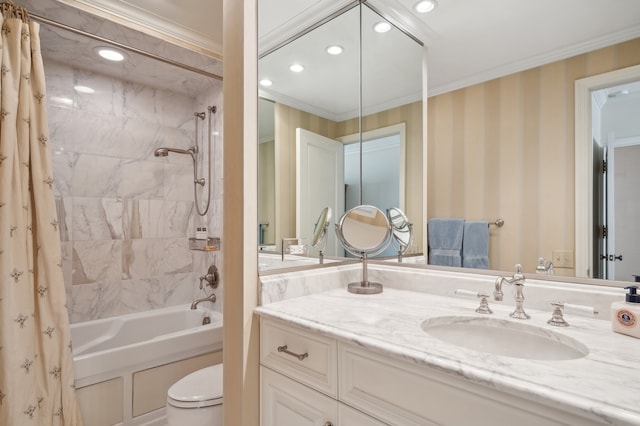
{"x":518,"y":281}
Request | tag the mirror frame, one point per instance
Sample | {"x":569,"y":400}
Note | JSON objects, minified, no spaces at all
{"x":356,"y":251}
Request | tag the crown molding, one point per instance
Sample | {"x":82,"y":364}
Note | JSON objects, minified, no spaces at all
{"x":148,"y":23}
{"x":538,"y":60}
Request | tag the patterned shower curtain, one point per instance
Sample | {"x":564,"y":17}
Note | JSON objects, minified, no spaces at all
{"x":36,"y":362}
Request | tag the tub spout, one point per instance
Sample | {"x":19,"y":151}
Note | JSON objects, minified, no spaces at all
{"x":211,"y":298}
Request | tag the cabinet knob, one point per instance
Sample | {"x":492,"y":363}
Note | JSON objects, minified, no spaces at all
{"x":328,"y":424}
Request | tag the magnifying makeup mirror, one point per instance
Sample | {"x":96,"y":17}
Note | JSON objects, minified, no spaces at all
{"x":401,"y":231}
{"x":319,"y":239}
{"x":364,"y":231}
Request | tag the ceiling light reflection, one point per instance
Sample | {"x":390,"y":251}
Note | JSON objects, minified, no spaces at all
{"x":334,"y":50}
{"x":425,"y":6}
{"x":296,"y":68}
{"x":382,"y":27}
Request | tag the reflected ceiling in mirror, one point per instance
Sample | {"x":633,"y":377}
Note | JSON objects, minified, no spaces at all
{"x":329,"y":84}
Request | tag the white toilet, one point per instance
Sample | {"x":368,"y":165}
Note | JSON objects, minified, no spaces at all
{"x":196,"y":399}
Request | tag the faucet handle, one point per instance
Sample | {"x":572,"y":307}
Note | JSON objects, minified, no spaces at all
{"x":212,"y":278}
{"x":484,"y":305}
{"x":557,"y":319}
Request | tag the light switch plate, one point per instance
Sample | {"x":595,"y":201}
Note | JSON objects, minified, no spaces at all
{"x":562,"y":258}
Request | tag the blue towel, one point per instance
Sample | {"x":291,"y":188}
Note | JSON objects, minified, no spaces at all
{"x":475,"y":245}
{"x":445,"y":241}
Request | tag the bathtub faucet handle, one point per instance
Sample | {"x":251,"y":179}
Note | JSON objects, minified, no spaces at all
{"x":212,"y":278}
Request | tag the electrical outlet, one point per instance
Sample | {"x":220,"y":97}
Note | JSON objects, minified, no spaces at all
{"x":562,"y":258}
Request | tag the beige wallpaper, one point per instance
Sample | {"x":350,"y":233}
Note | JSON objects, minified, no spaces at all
{"x":505,"y":148}
{"x":266,"y":190}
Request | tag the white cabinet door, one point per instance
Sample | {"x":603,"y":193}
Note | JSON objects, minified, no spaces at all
{"x":285,"y":402}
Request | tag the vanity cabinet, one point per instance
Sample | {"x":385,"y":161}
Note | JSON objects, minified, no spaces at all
{"x":319,"y":381}
{"x":285,"y":402}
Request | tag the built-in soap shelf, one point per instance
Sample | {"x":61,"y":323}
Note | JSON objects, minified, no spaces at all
{"x":204,"y":244}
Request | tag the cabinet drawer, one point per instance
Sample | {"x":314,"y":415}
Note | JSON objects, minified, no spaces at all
{"x":305,"y":357}
{"x":398,"y":392}
{"x":285,"y":402}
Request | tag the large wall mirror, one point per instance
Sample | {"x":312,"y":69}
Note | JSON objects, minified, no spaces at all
{"x":340,"y":123}
{"x":503,"y":148}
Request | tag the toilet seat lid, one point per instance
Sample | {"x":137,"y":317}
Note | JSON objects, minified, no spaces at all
{"x":201,"y":385}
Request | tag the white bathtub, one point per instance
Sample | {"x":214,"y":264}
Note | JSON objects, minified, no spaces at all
{"x":121,"y":351}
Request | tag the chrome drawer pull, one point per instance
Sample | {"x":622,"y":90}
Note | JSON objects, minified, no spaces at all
{"x":299,"y":356}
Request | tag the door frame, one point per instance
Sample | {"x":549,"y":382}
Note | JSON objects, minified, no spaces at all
{"x":584,"y":160}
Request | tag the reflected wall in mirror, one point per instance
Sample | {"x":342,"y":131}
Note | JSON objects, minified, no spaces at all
{"x":505,"y":148}
{"x":323,"y":103}
{"x":266,"y":174}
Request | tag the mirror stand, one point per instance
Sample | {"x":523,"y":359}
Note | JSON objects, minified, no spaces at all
{"x":364,"y":230}
{"x":364,"y":286}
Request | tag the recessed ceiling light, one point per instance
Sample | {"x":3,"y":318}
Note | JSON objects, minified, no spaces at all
{"x":382,"y":27}
{"x":296,"y":67}
{"x":83,"y":89}
{"x":334,"y":50}
{"x":110,"y":54}
{"x":266,"y":82}
{"x":425,"y":6}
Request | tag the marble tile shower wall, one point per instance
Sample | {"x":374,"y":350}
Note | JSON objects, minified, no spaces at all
{"x":125,"y":216}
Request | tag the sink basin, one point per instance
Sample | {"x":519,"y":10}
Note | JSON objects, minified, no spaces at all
{"x":503,"y":337}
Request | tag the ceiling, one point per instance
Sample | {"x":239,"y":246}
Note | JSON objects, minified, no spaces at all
{"x":468,"y":41}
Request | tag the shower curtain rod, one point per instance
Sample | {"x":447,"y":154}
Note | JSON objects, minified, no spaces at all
{"x":47,"y":21}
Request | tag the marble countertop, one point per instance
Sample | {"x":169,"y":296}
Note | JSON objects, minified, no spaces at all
{"x":604,"y":385}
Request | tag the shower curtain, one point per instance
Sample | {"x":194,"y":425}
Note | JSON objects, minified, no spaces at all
{"x":36,"y":370}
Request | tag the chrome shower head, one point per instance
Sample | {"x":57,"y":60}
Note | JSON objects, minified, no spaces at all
{"x":163,"y":152}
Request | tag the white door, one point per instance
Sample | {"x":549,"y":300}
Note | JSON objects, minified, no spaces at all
{"x":319,"y":184}
{"x":624,"y":207}
{"x":285,"y":402}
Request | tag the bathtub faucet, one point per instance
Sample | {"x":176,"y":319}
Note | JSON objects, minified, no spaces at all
{"x":211,"y":298}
